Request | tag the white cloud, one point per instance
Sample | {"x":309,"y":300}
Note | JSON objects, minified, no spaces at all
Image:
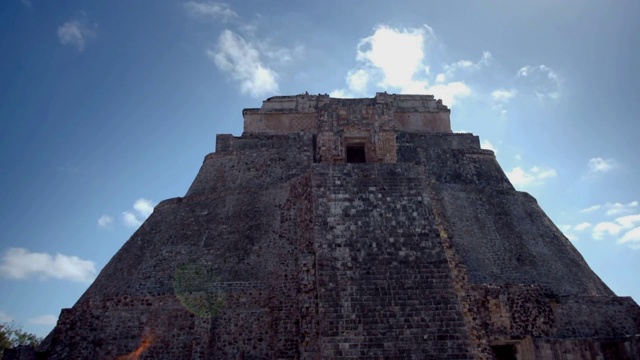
{"x":535,"y":176}
{"x":211,"y":10}
{"x":542,"y":80}
{"x":628,"y":221}
{"x":75,"y":33}
{"x":358,"y":80}
{"x":397,"y":53}
{"x":448,"y":92}
{"x":600,"y":165}
{"x":467,"y":65}
{"x":571,"y":237}
{"x":582,"y":226}
{"x":393,"y":59}
{"x":566,"y":230}
{"x":502,"y":95}
{"x":131,"y":220}
{"x":4,"y":317}
{"x":501,"y":98}
{"x":619,"y":208}
{"x":590,"y":209}
{"x":44,"y":320}
{"x":614,"y":228}
{"x":486,"y":144}
{"x":143,"y":208}
{"x":632,"y":236}
{"x":19,"y":263}
{"x":605,"y":228}
{"x":613,"y":208}
{"x":104,"y":221}
{"x":241,"y":59}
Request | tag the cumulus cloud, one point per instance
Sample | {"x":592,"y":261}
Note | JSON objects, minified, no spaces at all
{"x":19,"y":263}
{"x":628,"y":224}
{"x":241,"y":60}
{"x":628,"y":221}
{"x":210,"y":10}
{"x":75,"y":33}
{"x":397,"y":53}
{"x":4,"y":317}
{"x":600,"y":165}
{"x":394,"y":59}
{"x":543,"y":81}
{"x":603,"y":228}
{"x":535,"y":176}
{"x":143,"y":208}
{"x":105,"y":221}
{"x":44,"y":320}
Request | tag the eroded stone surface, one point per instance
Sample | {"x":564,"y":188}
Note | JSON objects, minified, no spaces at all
{"x":282,"y":249}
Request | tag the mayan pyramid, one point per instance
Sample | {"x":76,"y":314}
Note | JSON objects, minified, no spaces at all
{"x":348,"y":229}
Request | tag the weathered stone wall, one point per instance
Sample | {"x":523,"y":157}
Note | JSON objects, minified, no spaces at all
{"x":385,"y":289}
{"x":253,"y":162}
{"x":305,"y":113}
{"x":208,"y":276}
{"x":503,"y":237}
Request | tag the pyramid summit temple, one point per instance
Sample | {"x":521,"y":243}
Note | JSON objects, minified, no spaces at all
{"x":347,"y":229}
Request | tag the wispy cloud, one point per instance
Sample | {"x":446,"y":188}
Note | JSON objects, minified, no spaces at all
{"x":242,"y":52}
{"x":501,"y":98}
{"x":542,"y":80}
{"x":612,"y":209}
{"x":534,"y":176}
{"x":19,"y":263}
{"x":600,"y":165}
{"x":212,"y":10}
{"x":75,"y":33}
{"x":241,"y":60}
{"x":451,"y":69}
{"x":582,"y":226}
{"x":591,"y":209}
{"x":44,"y":320}
{"x":395,"y":59}
{"x":143,"y":208}
{"x":104,"y":221}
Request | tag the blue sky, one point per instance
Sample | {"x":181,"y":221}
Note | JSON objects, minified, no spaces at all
{"x":108,"y":107}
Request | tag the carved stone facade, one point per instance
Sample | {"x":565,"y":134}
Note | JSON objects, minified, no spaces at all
{"x":347,"y":229}
{"x":341,"y":123}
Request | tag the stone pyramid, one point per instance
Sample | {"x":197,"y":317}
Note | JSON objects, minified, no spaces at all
{"x":348,"y":229}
